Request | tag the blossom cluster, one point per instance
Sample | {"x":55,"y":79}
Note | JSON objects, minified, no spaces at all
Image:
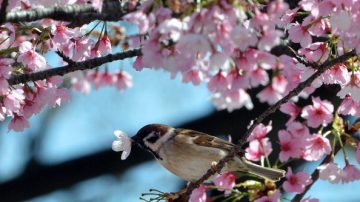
{"x":22,"y":50}
{"x":230,"y":46}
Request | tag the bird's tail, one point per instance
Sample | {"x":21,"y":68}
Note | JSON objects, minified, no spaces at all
{"x":272,"y":174}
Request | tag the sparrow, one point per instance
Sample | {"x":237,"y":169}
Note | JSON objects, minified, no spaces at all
{"x":189,"y":154}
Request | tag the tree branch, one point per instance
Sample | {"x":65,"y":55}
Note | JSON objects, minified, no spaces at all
{"x":4,"y":5}
{"x":88,"y":64}
{"x":112,"y":11}
{"x":321,"y":69}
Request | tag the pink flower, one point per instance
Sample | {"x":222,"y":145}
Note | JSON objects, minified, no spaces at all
{"x":287,"y":18}
{"x":330,"y":172}
{"x":352,"y":88}
{"x":138,"y":64}
{"x":341,"y":21}
{"x":225,"y":182}
{"x":316,"y":52}
{"x":101,"y":78}
{"x":320,"y":113}
{"x":275,"y":197}
{"x":31,"y":59}
{"x":358,"y":153}
{"x":291,"y":109}
{"x":171,"y":29}
{"x":5,"y":67}
{"x":296,"y":182}
{"x":104,"y":45}
{"x":350,"y":173}
{"x":81,"y":49}
{"x":243,"y":38}
{"x":62,"y":34}
{"x":5,"y":72}
{"x":140,"y":19}
{"x":218,"y":82}
{"x":270,"y":39}
{"x":300,"y":34}
{"x":290,"y":147}
{"x":13,"y":100}
{"x":198,"y":194}
{"x":269,"y":95}
{"x":193,"y":76}
{"x":258,"y":76}
{"x":298,"y":130}
{"x":349,"y":107}
{"x":123,"y":80}
{"x":338,"y":74}
{"x":191,"y":45}
{"x":18,"y":123}
{"x":317,"y":147}
{"x":259,"y":132}
{"x":258,"y":149}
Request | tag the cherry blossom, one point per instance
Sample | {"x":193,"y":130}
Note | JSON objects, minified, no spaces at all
{"x":316,"y":52}
{"x":225,"y":182}
{"x":260,"y":131}
{"x":317,"y":147}
{"x":290,"y":147}
{"x":352,"y":88}
{"x":30,"y":58}
{"x":350,"y":173}
{"x":140,"y":19}
{"x":320,"y":113}
{"x":123,"y":143}
{"x":296,"y":182}
{"x":330,"y":172}
{"x":198,"y":194}
{"x":258,"y":149}
{"x":123,"y":80}
{"x":349,"y":107}
{"x":300,"y":34}
{"x":18,"y":123}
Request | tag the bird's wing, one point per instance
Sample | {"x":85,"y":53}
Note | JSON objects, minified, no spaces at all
{"x":206,"y":140}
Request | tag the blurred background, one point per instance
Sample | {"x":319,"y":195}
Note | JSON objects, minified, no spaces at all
{"x":66,"y":154}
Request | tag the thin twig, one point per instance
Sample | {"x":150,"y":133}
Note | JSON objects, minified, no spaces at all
{"x":65,"y":57}
{"x":320,"y":69}
{"x":301,"y":59}
{"x":88,"y":64}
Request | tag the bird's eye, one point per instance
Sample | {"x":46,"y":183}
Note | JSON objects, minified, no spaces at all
{"x":153,"y":137}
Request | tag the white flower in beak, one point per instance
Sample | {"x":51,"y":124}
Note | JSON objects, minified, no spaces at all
{"x":123,"y":143}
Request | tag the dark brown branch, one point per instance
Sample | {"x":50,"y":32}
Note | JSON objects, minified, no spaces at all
{"x":296,"y":91}
{"x":112,"y":11}
{"x":4,"y":5}
{"x":316,"y":174}
{"x":88,"y":64}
